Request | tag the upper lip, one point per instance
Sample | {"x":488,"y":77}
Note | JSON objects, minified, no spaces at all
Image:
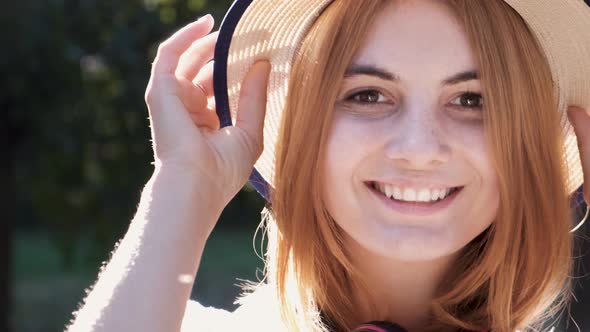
{"x":416,"y":183}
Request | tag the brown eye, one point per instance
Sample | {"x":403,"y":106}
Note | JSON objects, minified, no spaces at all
{"x":469,"y":100}
{"x":367,"y":97}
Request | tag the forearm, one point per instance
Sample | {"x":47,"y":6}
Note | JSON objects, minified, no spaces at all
{"x":148,"y":281}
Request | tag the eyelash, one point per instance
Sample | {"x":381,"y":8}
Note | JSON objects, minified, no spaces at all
{"x":353,"y":96}
{"x":471,"y":94}
{"x":352,"y":99}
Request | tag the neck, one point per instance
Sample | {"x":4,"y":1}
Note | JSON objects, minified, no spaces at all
{"x":402,"y":291}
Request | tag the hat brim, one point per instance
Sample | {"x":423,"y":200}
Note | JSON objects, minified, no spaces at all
{"x":273,"y":29}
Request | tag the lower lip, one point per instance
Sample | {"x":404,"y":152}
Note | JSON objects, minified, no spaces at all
{"x":415,"y":208}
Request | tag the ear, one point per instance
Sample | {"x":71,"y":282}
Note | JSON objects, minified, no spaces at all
{"x":580,"y":120}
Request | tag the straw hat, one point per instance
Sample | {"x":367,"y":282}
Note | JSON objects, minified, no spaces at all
{"x":273,"y":29}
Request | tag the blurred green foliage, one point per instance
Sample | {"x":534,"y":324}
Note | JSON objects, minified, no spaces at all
{"x":73,"y":80}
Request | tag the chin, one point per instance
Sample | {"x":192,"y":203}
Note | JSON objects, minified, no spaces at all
{"x":409,"y":243}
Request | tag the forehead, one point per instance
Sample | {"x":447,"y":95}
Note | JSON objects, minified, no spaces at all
{"x":417,"y":37}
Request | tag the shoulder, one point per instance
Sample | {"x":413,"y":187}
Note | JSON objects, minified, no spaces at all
{"x":200,"y":318}
{"x":258,"y":311}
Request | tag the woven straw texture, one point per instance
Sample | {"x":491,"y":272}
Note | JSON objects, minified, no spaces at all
{"x":273,"y":29}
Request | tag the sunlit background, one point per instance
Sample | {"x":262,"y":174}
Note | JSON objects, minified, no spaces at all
{"x":74,"y":142}
{"x":76,"y":151}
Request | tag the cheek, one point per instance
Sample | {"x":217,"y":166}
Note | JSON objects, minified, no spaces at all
{"x":348,"y":148}
{"x":348,"y":145}
{"x":470,"y":142}
{"x":342,"y":149}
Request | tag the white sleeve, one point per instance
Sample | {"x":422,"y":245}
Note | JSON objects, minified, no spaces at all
{"x":198,"y":318}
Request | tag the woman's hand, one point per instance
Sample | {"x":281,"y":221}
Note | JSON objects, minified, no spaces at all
{"x":185,"y":128}
{"x":580,"y":120}
{"x":146,"y":284}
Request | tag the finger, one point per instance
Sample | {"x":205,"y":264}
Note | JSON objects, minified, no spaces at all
{"x":194,"y":99}
{"x":252,"y":104}
{"x":197,"y":55}
{"x":205,"y":78}
{"x":207,"y":120}
{"x":580,"y":120}
{"x":169,"y":52}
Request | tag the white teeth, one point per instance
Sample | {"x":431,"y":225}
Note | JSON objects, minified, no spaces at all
{"x":435,"y":194}
{"x":411,"y":194}
{"x":389,"y":191}
{"x":424,"y":195}
{"x":397,"y":193}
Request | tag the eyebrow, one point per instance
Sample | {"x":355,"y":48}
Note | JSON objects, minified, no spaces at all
{"x":383,"y":74}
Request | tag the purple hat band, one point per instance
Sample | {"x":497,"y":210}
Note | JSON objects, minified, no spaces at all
{"x":228,"y":26}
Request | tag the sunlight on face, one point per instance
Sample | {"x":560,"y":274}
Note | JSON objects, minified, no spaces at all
{"x":408,"y":174}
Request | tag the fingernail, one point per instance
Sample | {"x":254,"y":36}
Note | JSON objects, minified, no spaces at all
{"x":569,"y":114}
{"x":267,"y":65}
{"x":205,"y":18}
{"x":577,"y":111}
{"x":573,"y":110}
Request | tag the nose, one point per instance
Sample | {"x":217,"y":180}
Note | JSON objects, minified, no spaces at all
{"x":419,"y":142}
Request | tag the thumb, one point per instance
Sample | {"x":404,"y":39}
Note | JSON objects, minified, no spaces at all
{"x":252,"y":104}
{"x":580,"y":120}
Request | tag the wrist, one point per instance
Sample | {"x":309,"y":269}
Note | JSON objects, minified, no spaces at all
{"x":181,"y":197}
{"x":210,"y":188}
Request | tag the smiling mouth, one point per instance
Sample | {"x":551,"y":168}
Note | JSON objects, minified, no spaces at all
{"x":421,"y":196}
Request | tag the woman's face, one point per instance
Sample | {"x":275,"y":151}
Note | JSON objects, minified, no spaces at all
{"x":408,"y":173}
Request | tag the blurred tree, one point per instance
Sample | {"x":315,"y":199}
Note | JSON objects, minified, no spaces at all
{"x":10,"y":135}
{"x":76,"y":80}
{"x":74,"y":126}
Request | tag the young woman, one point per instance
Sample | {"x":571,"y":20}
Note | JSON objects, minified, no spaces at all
{"x":416,"y":155}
